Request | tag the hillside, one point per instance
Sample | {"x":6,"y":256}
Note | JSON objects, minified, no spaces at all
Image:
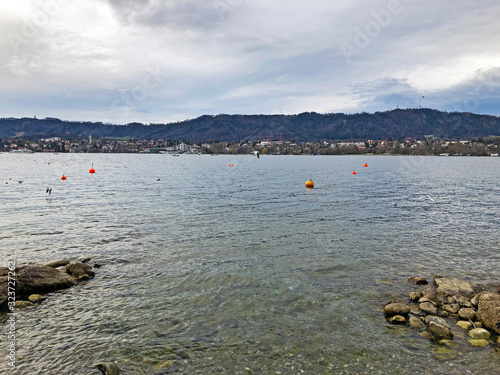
{"x":308,"y":126}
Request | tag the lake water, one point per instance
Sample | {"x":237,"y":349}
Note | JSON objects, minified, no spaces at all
{"x":240,"y":270}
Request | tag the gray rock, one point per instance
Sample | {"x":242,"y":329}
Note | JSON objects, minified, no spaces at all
{"x":428,"y":308}
{"x":454,"y":286}
{"x":466,"y":313}
{"x":396,"y":309}
{"x":35,"y":279}
{"x":488,"y":311}
{"x":479,"y":333}
{"x":436,"y":319}
{"x":57,"y":263}
{"x":439,"y":331}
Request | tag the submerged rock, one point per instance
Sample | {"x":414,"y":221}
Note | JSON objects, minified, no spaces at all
{"x":109,"y":368}
{"x":22,"y":304}
{"x":79,"y":270}
{"x":36,"y":279}
{"x":479,"y":342}
{"x":488,"y":310}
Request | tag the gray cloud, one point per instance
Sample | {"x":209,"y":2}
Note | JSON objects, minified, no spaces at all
{"x":241,"y":56}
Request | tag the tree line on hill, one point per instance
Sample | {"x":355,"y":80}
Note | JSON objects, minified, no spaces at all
{"x":308,"y":126}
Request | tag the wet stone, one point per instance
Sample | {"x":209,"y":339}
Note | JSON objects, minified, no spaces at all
{"x":466,"y":313}
{"x":479,"y":342}
{"x":396,"y":309}
{"x":428,"y":308}
{"x":398,"y":319}
{"x":36,"y":298}
{"x":416,"y":323}
{"x":479,"y":333}
{"x":452,"y":308}
{"x":465,"y":325}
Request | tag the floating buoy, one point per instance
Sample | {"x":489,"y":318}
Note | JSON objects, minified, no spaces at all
{"x":310,"y":184}
{"x":354,"y":172}
{"x":365,"y":165}
{"x":230,"y":165}
{"x":92,"y":170}
{"x":63,"y":177}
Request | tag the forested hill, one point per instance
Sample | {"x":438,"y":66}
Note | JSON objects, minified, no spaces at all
{"x":307,"y":126}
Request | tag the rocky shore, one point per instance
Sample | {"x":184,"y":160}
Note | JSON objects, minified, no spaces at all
{"x":34,"y":280}
{"x":449,"y":309}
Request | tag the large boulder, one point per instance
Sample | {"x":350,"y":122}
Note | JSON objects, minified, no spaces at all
{"x":488,"y":310}
{"x":35,"y":279}
{"x":453,"y":286}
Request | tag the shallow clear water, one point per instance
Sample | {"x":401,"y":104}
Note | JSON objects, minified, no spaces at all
{"x":239,"y":269}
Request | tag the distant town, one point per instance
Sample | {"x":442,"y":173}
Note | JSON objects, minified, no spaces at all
{"x":428,"y":145}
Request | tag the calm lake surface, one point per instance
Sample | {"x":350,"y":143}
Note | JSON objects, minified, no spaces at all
{"x":239,"y":270}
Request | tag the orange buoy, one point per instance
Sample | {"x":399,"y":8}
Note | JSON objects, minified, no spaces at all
{"x":310,"y":184}
{"x":63,"y":177}
{"x":365,"y":165}
{"x":92,"y":170}
{"x":354,"y":172}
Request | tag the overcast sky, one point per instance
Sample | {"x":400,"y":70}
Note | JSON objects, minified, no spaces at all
{"x":157,"y":61}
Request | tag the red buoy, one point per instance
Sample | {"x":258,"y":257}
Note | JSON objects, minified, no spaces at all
{"x":365,"y":165}
{"x":63,"y":177}
{"x":92,"y":170}
{"x":354,"y":172}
